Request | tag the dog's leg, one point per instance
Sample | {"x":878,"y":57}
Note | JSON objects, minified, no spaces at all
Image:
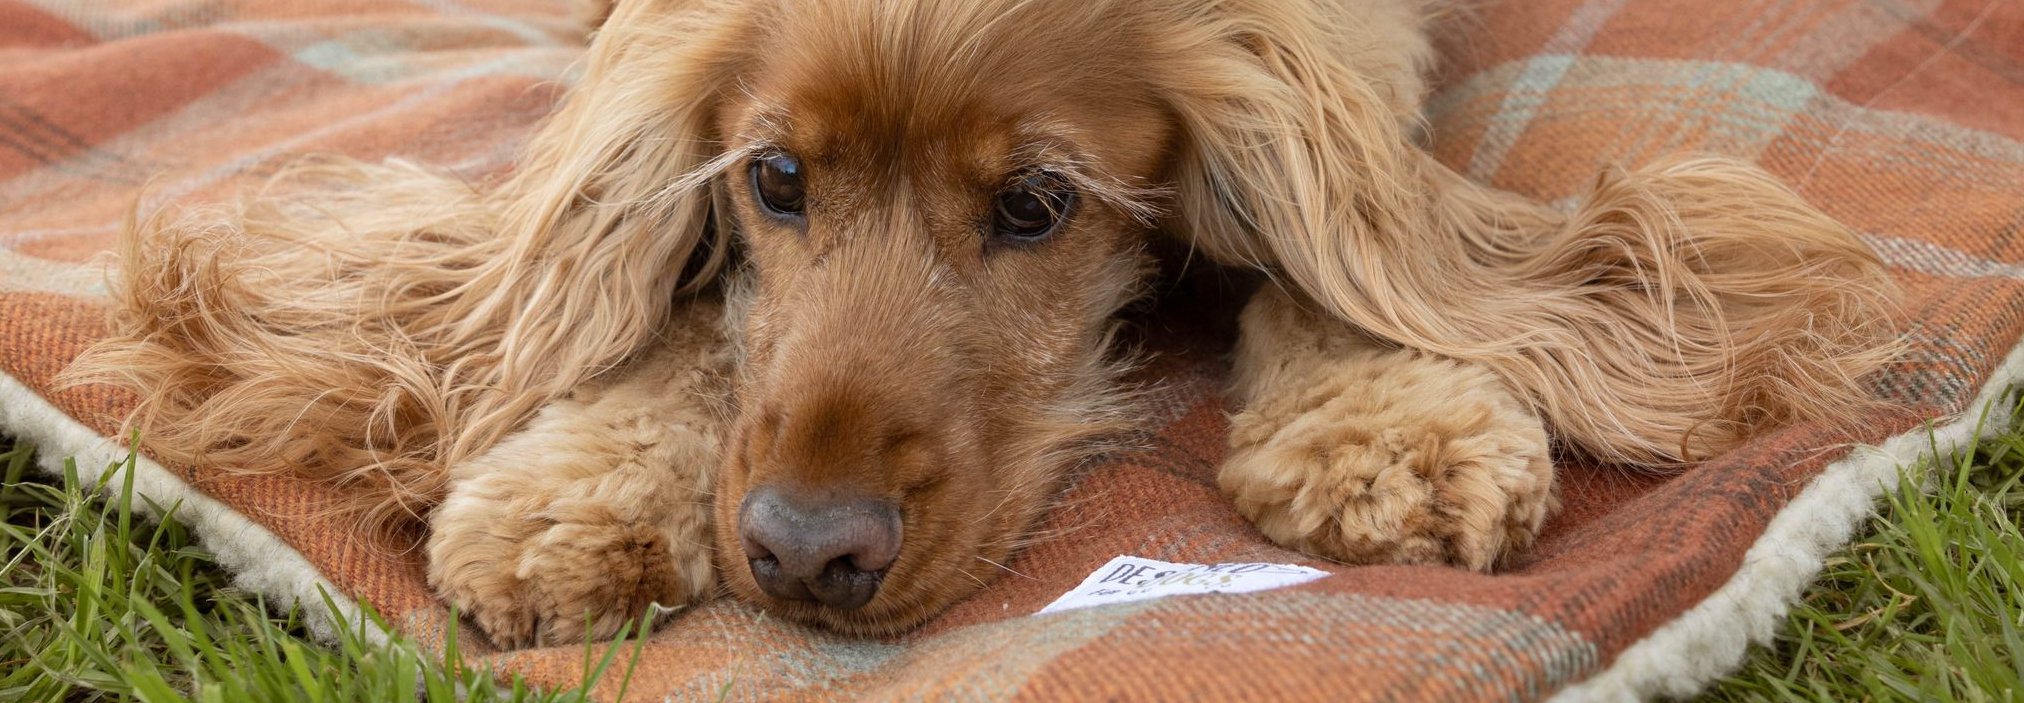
{"x":599,"y":508}
{"x":1351,"y":450}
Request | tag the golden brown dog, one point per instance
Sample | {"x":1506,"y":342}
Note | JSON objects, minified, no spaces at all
{"x":836,"y":277}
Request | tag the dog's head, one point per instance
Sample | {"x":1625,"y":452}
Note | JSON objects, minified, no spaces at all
{"x":940,"y":216}
{"x":942,"y":203}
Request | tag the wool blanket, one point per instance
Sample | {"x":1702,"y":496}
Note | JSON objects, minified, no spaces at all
{"x":1902,"y":119}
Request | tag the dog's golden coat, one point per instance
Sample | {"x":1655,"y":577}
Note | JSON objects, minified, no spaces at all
{"x":394,"y":327}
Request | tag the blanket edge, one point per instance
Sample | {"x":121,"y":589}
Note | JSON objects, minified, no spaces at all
{"x":256,"y":559}
{"x":1681,"y":658}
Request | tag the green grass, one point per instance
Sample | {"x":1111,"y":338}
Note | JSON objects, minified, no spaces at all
{"x":97,"y":604}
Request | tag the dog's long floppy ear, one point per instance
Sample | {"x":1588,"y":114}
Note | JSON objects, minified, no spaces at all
{"x":1681,"y":308}
{"x":610,"y":203}
{"x":379,"y":323}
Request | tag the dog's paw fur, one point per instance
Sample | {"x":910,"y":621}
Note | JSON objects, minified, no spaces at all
{"x":598,"y":510}
{"x":1363,"y":454}
{"x":526,"y":579}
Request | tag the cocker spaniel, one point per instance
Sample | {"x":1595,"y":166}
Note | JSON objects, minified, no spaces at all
{"x":813,"y":299}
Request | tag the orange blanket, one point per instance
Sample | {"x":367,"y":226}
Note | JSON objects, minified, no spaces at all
{"x":1902,"y":119}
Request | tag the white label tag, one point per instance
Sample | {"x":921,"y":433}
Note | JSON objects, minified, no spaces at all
{"x":1127,"y":579}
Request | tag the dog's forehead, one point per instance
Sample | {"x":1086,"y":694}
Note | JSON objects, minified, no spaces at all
{"x":976,"y":140}
{"x":980,"y":87}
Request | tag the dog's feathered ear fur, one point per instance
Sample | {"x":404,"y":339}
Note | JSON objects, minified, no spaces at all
{"x":611,"y":201}
{"x":1683,"y":307}
{"x":590,"y":14}
{"x":380,"y":322}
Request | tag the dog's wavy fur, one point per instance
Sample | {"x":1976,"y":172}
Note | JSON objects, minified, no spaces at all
{"x":381,"y":324}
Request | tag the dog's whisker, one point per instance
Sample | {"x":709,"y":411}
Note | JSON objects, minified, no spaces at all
{"x":1007,"y":569}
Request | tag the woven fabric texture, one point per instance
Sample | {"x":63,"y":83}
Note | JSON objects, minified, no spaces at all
{"x":1904,"y":119}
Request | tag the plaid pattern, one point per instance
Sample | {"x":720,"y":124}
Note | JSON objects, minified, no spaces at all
{"x":1901,"y":118}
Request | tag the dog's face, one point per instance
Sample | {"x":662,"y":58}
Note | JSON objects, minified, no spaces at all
{"x":941,"y":215}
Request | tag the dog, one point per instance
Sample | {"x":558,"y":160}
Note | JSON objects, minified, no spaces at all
{"x":812,"y":302}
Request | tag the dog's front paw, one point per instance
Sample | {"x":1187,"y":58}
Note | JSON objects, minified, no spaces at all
{"x":1387,"y":456}
{"x":1434,"y":484}
{"x":531,"y":571}
{"x":560,"y":583}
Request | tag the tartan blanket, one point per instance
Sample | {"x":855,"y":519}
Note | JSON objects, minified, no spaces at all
{"x":1902,"y":118}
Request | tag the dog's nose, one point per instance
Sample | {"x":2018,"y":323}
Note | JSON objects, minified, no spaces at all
{"x":833,"y":551}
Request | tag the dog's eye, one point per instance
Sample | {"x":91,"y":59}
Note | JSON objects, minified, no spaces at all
{"x":777,"y":180}
{"x":1033,"y":209}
